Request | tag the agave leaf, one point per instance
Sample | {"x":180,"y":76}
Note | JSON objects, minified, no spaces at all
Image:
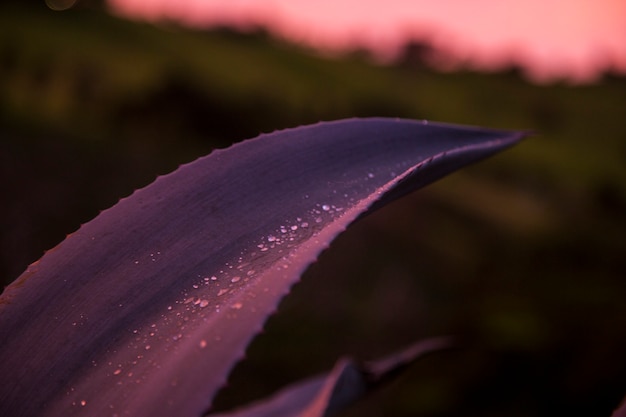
{"x":144,"y":310}
{"x":327,"y":394}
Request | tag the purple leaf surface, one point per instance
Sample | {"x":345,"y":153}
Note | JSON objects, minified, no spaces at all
{"x":144,"y":310}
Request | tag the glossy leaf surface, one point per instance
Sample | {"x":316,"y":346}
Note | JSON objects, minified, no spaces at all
{"x":144,"y":310}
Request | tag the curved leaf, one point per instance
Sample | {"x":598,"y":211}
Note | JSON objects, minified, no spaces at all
{"x":144,"y":310}
{"x":328,"y":394}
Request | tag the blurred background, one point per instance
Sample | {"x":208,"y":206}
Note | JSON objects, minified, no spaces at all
{"x":522,"y":257}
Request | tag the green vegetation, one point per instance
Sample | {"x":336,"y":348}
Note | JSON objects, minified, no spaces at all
{"x":521,"y":256}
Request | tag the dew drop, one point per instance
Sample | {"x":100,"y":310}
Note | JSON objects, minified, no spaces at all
{"x":271,"y":238}
{"x":235,"y":279}
{"x":204,"y":303}
{"x":294,"y":228}
{"x":203,"y":343}
{"x":147,"y":347}
{"x":117,"y":372}
{"x":370,"y":175}
{"x":222,"y":292}
{"x":83,"y":403}
{"x":325,"y":207}
{"x":237,"y":306}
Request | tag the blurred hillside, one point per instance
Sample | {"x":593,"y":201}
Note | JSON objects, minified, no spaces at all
{"x":522,"y":256}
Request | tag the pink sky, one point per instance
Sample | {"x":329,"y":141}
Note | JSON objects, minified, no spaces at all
{"x":554,"y":38}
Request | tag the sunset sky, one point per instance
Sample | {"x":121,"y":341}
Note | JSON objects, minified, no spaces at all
{"x":553,"y":38}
